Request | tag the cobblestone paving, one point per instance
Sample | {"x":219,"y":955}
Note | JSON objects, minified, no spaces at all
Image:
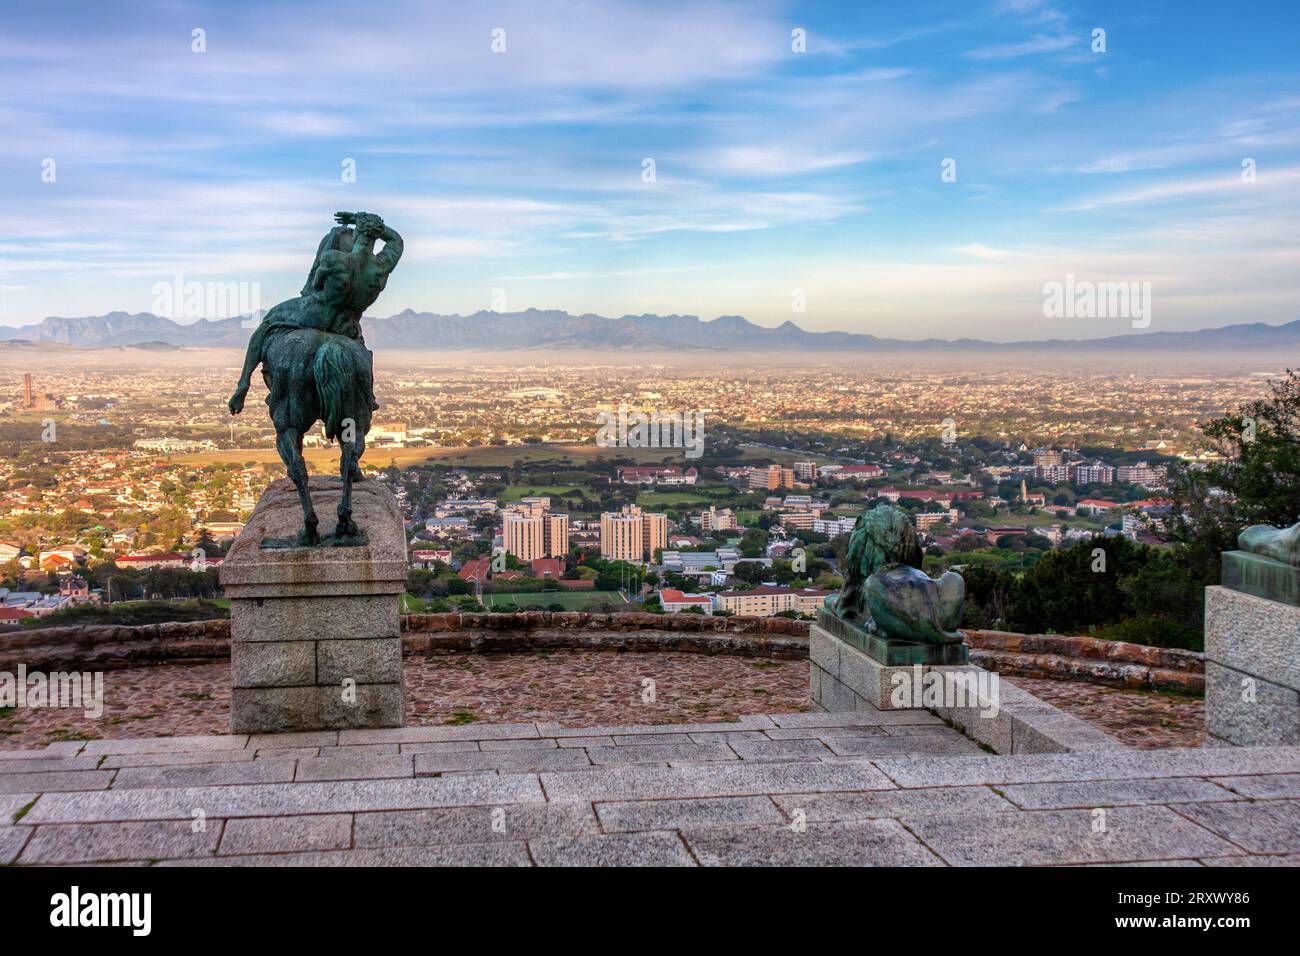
{"x":1143,"y":719}
{"x":571,"y":687}
{"x":866,"y":788}
{"x":586,"y":687}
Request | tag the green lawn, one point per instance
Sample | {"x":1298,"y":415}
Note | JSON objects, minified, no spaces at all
{"x":572,"y":600}
{"x":516,"y":492}
{"x":662,"y":499}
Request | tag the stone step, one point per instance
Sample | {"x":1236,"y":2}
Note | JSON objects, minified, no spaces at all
{"x":786,"y":789}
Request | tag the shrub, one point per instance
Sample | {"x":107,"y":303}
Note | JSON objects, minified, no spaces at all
{"x":1155,"y":631}
{"x":133,"y":613}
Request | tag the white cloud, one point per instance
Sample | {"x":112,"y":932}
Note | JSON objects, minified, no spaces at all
{"x":1030,"y":47}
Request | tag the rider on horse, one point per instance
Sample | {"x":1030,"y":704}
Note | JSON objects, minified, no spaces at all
{"x":345,"y":280}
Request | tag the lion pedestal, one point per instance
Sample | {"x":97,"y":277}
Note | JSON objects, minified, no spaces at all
{"x":889,"y":618}
{"x":1252,"y":642}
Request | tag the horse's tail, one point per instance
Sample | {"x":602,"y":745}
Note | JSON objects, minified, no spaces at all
{"x":332,"y":369}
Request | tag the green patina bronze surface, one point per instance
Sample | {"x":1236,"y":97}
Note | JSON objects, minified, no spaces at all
{"x":316,"y":365}
{"x":1280,"y":544}
{"x":889,"y":608}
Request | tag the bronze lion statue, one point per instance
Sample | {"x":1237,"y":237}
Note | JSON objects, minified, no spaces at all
{"x":885,"y":589}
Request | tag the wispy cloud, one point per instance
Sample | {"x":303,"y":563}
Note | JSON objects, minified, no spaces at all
{"x":1034,"y":45}
{"x":772,"y":169}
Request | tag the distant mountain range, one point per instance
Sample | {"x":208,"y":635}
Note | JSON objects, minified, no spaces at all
{"x":537,"y":329}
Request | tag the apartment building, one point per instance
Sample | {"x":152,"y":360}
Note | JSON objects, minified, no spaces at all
{"x":523,"y":535}
{"x":802,"y":520}
{"x":927,"y":520}
{"x":1141,"y":474}
{"x":770,"y":478}
{"x":529,"y":536}
{"x":1044,"y":457}
{"x":1095,"y":474}
{"x":1053,"y":474}
{"x":768,"y":600}
{"x":632,"y":534}
{"x":555,"y":535}
{"x":833,"y":526}
{"x":717,"y":520}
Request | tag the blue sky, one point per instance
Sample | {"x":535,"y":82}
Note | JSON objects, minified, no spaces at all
{"x":521,"y":171}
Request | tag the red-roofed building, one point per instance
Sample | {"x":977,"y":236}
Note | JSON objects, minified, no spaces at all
{"x":547,"y":568}
{"x":657,"y":475}
{"x":675,"y":601}
{"x":857,"y":473}
{"x":149,"y":562}
{"x":426,"y":559}
{"x":1095,"y":506}
{"x":475,"y":570}
{"x":56,"y":563}
{"x":941,"y":498}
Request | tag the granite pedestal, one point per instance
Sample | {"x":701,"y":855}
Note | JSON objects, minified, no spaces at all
{"x":1252,"y":667}
{"x":315,"y":632}
{"x":1000,"y":717}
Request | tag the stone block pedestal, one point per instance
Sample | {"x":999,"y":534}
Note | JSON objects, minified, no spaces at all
{"x":1252,"y":669}
{"x":843,"y":677}
{"x":999,"y":716}
{"x":315,"y":639}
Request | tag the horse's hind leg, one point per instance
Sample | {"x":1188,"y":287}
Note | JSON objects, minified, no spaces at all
{"x":289,"y":444}
{"x":347,"y":464}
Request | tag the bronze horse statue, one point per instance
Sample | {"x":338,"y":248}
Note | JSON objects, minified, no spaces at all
{"x":316,"y":365}
{"x":320,"y":376}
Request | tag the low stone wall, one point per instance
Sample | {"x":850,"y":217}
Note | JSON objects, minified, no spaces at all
{"x":638,"y":632}
{"x":1049,"y":656}
{"x":1090,"y":659}
{"x":108,"y":647}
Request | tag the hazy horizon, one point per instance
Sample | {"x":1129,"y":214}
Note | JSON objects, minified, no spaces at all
{"x":1208,"y":363}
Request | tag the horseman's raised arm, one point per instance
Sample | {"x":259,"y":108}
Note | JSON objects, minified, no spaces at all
{"x":370,"y":229}
{"x":392,"y":251}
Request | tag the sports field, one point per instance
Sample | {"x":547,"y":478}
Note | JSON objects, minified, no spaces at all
{"x":515,"y":492}
{"x":572,"y":600}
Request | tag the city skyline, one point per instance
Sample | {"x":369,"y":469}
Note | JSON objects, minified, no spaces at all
{"x":781,"y":178}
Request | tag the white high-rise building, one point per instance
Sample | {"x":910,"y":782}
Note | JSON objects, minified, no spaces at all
{"x":524,"y":535}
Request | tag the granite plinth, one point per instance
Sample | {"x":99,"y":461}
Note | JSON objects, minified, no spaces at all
{"x":1261,"y":576}
{"x":1000,"y":717}
{"x":315,"y":632}
{"x":1252,"y":669}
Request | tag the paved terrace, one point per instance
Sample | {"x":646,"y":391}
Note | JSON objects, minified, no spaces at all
{"x":865,"y":788}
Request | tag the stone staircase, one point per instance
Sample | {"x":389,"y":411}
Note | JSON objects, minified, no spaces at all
{"x":863,"y":788}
